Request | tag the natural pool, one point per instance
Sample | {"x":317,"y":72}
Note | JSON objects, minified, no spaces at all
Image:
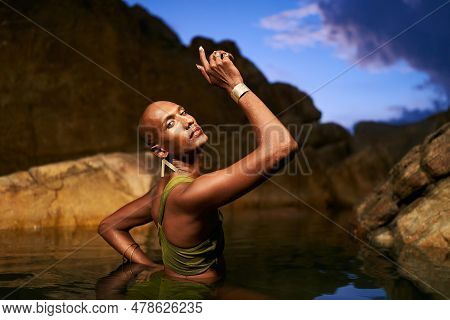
{"x":286,"y":253}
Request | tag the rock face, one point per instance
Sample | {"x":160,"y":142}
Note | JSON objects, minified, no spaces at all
{"x":410,"y":214}
{"x":71,"y":193}
{"x":56,"y":105}
{"x":413,"y":205}
{"x":397,"y":139}
{"x":353,"y":178}
{"x":66,"y":107}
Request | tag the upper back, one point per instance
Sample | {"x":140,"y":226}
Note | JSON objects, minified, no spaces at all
{"x":161,"y":192}
{"x":181,"y":227}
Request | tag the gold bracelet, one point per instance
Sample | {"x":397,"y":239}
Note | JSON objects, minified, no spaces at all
{"x":124,"y":258}
{"x":238,"y":91}
{"x":131,"y":256}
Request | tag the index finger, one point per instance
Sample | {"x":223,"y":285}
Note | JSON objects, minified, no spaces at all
{"x":203,"y":59}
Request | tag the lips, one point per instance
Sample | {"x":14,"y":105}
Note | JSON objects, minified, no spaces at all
{"x":195,"y":132}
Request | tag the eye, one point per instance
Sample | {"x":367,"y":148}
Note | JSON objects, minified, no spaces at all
{"x":170,"y":124}
{"x":183,"y":112}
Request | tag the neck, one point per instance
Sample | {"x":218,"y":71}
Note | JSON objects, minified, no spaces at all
{"x":189,"y":163}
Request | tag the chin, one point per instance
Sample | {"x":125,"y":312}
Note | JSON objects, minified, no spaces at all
{"x":200,"y":141}
{"x":193,"y":145}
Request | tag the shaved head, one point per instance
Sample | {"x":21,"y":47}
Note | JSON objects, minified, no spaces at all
{"x":149,"y":123}
{"x":168,"y":126}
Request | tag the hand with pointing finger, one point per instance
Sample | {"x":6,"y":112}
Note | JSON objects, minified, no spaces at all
{"x":219,"y":70}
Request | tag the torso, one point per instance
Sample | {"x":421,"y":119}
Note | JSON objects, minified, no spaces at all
{"x":185,"y":229}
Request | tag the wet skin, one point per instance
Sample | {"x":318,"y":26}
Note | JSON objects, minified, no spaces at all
{"x":190,"y":214}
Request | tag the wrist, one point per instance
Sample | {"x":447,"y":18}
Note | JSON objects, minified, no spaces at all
{"x":238,"y":91}
{"x":233,"y":84}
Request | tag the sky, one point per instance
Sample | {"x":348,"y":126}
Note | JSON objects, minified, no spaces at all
{"x":383,"y":60}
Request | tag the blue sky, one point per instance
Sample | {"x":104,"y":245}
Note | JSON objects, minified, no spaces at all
{"x":290,"y":44}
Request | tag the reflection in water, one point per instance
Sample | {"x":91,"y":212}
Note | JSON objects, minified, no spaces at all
{"x":351,"y":292}
{"x":285,"y":253}
{"x":434,"y":276}
{"x":138,"y":282}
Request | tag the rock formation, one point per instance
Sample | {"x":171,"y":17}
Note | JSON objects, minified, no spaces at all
{"x":71,"y":193}
{"x":56,"y":106}
{"x":397,"y":139}
{"x":409,"y":214}
{"x":413,"y":206}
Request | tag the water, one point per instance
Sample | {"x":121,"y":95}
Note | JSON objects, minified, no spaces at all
{"x":288,"y":253}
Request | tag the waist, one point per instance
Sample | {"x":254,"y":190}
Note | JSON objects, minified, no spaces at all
{"x":200,"y":259}
{"x":210,"y":276}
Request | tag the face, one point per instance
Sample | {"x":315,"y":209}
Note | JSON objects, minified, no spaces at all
{"x":175,"y":131}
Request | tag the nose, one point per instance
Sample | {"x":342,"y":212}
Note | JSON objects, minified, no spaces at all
{"x":188,"y":121}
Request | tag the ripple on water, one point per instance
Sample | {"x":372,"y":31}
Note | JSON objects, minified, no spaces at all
{"x":280,"y":254}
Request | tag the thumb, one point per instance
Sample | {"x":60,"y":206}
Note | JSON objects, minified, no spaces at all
{"x":203,"y":71}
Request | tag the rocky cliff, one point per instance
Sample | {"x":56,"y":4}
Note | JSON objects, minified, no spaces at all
{"x":397,"y":139}
{"x":57,"y":105}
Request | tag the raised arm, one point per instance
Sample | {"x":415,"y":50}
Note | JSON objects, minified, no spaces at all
{"x":274,"y":144}
{"x":115,"y":228}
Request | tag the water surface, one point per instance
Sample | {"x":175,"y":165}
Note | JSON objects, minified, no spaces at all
{"x":287,"y":253}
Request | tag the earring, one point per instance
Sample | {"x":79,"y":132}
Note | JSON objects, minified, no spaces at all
{"x":165,"y":163}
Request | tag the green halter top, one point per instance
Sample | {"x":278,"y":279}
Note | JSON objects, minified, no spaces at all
{"x":194,"y":260}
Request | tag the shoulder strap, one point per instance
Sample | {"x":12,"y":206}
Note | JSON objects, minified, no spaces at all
{"x":173,"y":182}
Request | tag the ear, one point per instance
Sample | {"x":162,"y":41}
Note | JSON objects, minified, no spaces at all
{"x":159,"y":151}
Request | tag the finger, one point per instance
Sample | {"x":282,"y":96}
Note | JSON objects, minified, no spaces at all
{"x":226,"y":57}
{"x":218,"y":57}
{"x":204,"y":73}
{"x":212,"y":60}
{"x":203,"y":59}
{"x":225,"y":54}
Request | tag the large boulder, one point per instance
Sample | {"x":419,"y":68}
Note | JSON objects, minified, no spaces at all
{"x":72,"y":193}
{"x":436,"y":153}
{"x":407,"y":176}
{"x":378,"y":209}
{"x":413,"y":204}
{"x":426,"y":221}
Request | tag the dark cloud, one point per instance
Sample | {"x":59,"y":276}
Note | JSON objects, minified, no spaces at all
{"x":367,"y":24}
{"x":406,"y":115}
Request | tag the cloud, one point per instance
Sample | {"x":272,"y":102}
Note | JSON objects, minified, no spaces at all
{"x":297,"y":27}
{"x":405,"y":115}
{"x":289,"y":19}
{"x":358,"y":27}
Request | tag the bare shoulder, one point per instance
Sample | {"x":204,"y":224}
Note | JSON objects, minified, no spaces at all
{"x":176,"y":195}
{"x":181,"y":194}
{"x":173,"y":197}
